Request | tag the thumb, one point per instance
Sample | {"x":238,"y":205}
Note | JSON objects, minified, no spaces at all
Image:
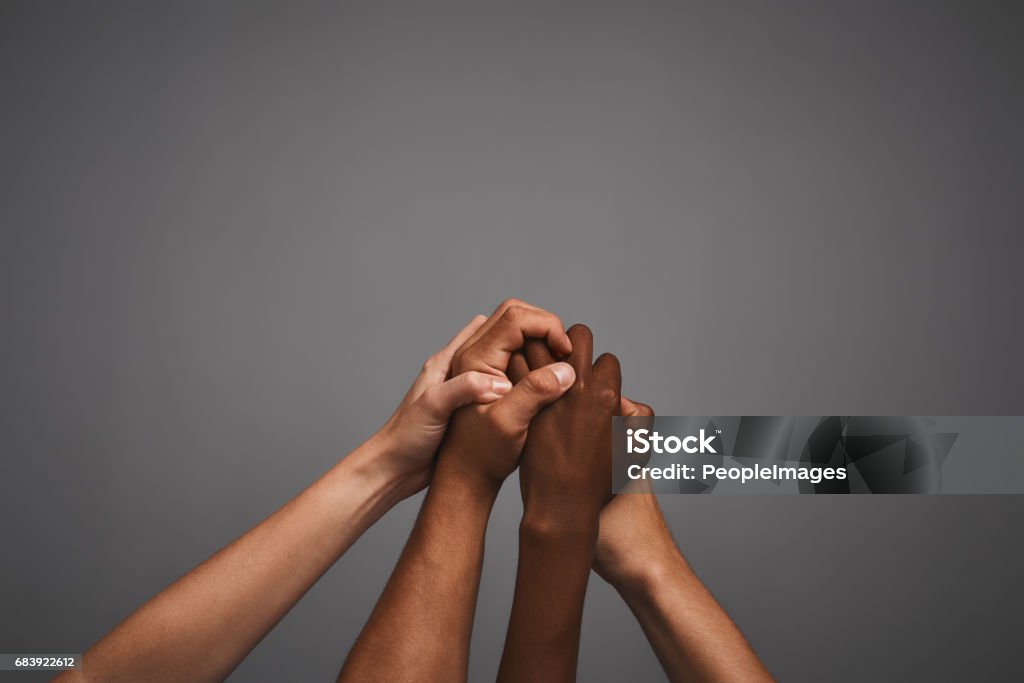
{"x":534,"y":391}
{"x":630,"y":408}
{"x":441,"y":400}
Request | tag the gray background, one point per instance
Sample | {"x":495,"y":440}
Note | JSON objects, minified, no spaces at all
{"x":232,"y":232}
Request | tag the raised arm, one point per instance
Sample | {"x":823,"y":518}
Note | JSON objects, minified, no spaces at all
{"x":690,"y":633}
{"x":421,"y":625}
{"x":204,"y":624}
{"x":565,"y":476}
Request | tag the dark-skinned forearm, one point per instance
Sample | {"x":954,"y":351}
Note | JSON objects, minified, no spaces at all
{"x":432,"y":591}
{"x":551,"y":583}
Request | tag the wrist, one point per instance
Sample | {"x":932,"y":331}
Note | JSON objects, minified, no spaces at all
{"x":644,"y":573}
{"x":559,"y":520}
{"x":372,"y":467}
{"x":459,"y":502}
{"x":470,"y":466}
{"x":450,"y":473}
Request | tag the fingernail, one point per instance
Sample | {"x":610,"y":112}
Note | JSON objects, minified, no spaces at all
{"x":500,"y":386}
{"x":565,"y":374}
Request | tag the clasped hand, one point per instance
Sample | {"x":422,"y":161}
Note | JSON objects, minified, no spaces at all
{"x":520,"y":391}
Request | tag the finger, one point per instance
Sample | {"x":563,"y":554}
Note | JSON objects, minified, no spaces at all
{"x":607,"y":371}
{"x":519,"y":322}
{"x":518,"y":367}
{"x":442,"y":399}
{"x":493,"y":348}
{"x":582,"y":355}
{"x":463,"y":336}
{"x":637,"y":416}
{"x":537,"y":353}
{"x":533,"y":392}
{"x":435,"y":369}
{"x":441,"y":361}
{"x":496,"y":315}
{"x":630,"y":408}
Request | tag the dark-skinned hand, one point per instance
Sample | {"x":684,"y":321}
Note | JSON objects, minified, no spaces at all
{"x":484,"y":441}
{"x":565,"y":469}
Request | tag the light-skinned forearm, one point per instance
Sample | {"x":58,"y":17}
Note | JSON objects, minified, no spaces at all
{"x":203,"y":625}
{"x":421,"y":626}
{"x":690,"y":633}
{"x":555,"y":556}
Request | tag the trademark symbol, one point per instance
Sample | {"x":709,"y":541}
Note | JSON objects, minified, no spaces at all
{"x":718,"y":431}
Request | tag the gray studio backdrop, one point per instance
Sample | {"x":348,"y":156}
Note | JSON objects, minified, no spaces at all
{"x":233,"y":231}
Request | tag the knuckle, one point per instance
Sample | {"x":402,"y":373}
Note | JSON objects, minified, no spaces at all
{"x":543,"y":382}
{"x":432,"y":364}
{"x":478,"y":382}
{"x":514,"y":314}
{"x":510,"y":302}
{"x":607,"y":396}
